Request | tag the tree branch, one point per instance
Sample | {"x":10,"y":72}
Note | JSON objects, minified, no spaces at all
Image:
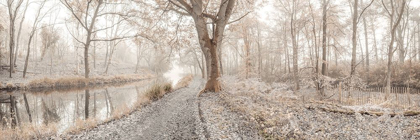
{"x":358,"y":19}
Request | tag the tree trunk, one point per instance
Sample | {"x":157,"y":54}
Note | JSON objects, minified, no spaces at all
{"x":138,"y":58}
{"x":19,"y":32}
{"x":86,"y":55}
{"x":367,"y":48}
{"x":374,"y":43}
{"x":94,"y":55}
{"x":25,"y":68}
{"x":324,"y":42}
{"x":259,"y":51}
{"x":208,"y":63}
{"x":247,"y":52}
{"x":418,"y":41}
{"x":354,"y":41}
{"x":11,"y":46}
{"x":220,"y":59}
{"x":391,"y":48}
{"x":213,"y":84}
{"x":400,"y":44}
{"x":203,"y":70}
{"x":295,"y":53}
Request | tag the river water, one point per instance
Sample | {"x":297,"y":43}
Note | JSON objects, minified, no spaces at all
{"x":64,"y":109}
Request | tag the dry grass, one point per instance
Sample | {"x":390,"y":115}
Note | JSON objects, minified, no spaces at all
{"x":28,"y":131}
{"x":69,"y":82}
{"x":81,"y":125}
{"x":121,"y":112}
{"x":167,"y":87}
{"x":155,"y":92}
{"x":184,"y":82}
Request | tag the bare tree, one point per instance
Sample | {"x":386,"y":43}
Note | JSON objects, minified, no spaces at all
{"x":324,"y":40}
{"x":208,"y":44}
{"x":13,"y":8}
{"x":37,"y":19}
{"x":355,"y":21}
{"x":19,"y":32}
{"x":393,"y":25}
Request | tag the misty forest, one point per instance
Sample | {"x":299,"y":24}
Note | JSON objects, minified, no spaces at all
{"x":209,"y":69}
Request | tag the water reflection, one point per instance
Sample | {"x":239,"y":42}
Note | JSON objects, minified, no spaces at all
{"x":64,"y":109}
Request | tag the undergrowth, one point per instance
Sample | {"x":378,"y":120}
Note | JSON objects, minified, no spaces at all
{"x":184,"y":82}
{"x":157,"y":91}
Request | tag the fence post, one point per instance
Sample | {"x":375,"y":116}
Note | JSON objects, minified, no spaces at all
{"x":408,"y":95}
{"x":339,"y":92}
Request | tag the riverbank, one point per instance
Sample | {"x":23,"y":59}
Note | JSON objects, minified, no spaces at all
{"x":121,"y":102}
{"x":174,"y":116}
{"x":66,"y":73}
{"x":37,"y":85}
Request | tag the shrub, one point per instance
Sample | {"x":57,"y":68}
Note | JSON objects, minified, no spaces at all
{"x":401,"y":74}
{"x":155,"y":92}
{"x":167,"y":87}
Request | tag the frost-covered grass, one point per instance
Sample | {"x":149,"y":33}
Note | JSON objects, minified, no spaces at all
{"x":28,"y":131}
{"x":282,"y":114}
{"x":185,"y":81}
{"x":76,"y":82}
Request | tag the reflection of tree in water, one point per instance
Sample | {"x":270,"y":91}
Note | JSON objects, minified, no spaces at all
{"x":49,"y":114}
{"x":8,"y":113}
{"x":108,"y":101}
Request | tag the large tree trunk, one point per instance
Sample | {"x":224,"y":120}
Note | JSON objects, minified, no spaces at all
{"x":219,"y":51}
{"x":208,"y":63}
{"x":213,"y":84}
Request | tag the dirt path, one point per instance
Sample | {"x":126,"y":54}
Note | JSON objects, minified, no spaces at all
{"x":175,"y":116}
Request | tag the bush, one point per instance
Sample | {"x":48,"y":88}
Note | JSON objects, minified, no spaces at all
{"x":167,"y":87}
{"x":401,"y":74}
{"x":155,"y":92}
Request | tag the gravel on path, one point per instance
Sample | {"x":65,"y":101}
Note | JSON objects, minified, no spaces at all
{"x":175,"y":116}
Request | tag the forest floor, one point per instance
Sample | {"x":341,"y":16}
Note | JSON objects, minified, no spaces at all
{"x":251,"y":109}
{"x":282,"y":114}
